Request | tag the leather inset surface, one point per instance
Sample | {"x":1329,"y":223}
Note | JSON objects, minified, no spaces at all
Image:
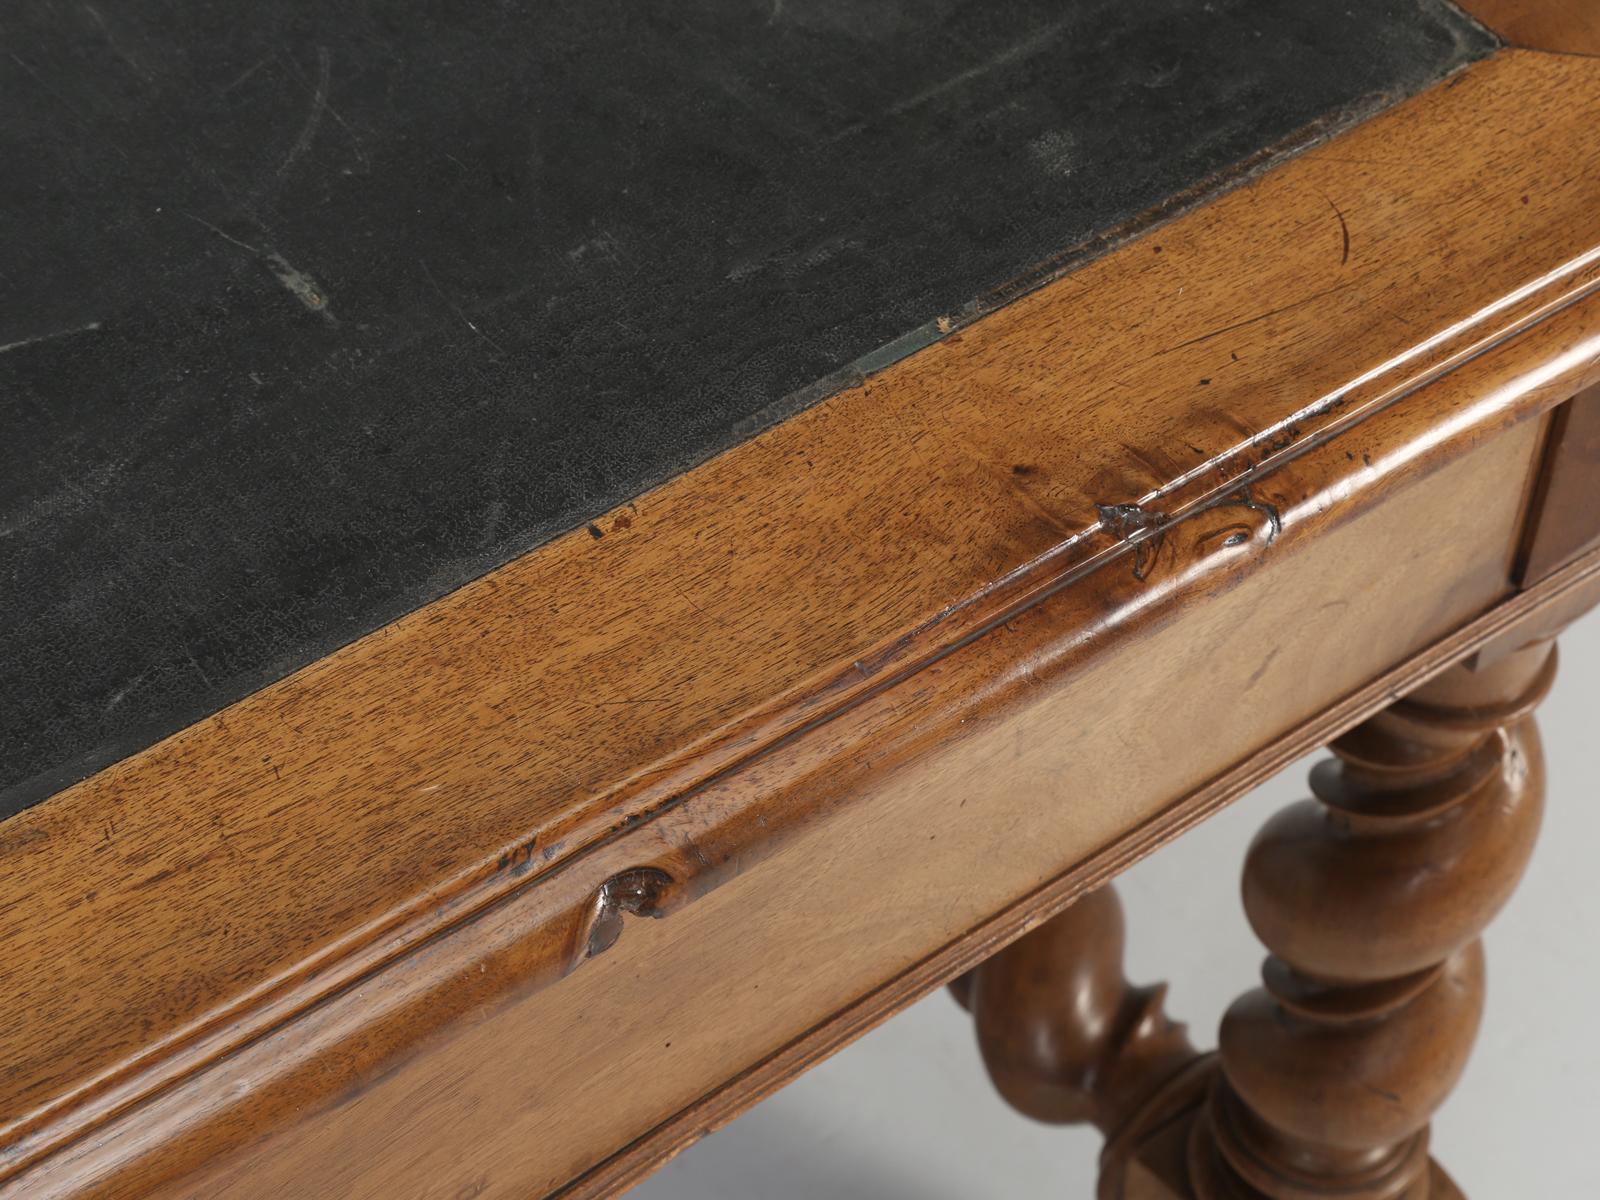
{"x":310,"y":313}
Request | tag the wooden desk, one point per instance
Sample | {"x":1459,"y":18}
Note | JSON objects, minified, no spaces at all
{"x":840,"y":480}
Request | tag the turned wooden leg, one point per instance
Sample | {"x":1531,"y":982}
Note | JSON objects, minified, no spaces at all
{"x":1067,"y":1039}
{"x":1371,"y":899}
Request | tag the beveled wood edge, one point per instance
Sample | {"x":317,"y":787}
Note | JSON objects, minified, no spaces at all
{"x":1268,"y":450}
{"x":1553,"y":26}
{"x":648,"y":1153}
{"x":237,"y":1088}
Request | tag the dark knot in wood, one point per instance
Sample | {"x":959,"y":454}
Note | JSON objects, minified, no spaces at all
{"x":641,"y":891}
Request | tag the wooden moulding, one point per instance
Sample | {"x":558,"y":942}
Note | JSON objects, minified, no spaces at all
{"x":1566,"y":516}
{"x":463,"y":805}
{"x":1562,"y":26}
{"x":1554,"y":601}
{"x":903,"y":825}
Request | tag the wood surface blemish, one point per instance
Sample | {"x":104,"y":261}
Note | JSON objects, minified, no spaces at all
{"x":1125,"y":522}
{"x":1344,"y":230}
{"x":1243,"y":499}
{"x":517,"y":861}
{"x":640,"y":891}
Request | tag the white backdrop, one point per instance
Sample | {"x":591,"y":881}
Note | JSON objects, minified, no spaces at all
{"x":907,"y":1113}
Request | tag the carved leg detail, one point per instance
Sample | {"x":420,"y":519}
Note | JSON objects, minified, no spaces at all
{"x":1067,"y":1039}
{"x":1370,"y":900}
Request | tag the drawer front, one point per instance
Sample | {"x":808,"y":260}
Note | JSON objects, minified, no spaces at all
{"x":965,"y":795}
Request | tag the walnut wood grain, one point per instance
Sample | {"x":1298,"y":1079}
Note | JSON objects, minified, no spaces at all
{"x":502,"y":749}
{"x":1067,"y":1039}
{"x":1564,"y":26}
{"x":802,"y":880}
{"x":1565,"y":521}
{"x":1544,"y":609}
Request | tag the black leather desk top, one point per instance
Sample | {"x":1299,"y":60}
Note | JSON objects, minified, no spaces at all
{"x":311,"y":312}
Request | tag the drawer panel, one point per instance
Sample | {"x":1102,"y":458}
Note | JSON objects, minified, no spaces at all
{"x":963,"y":798}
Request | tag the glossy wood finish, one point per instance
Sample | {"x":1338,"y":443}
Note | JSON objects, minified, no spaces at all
{"x":1067,"y":1039}
{"x":1064,"y":1035}
{"x":1566,"y":512}
{"x":1548,"y":606}
{"x":1564,"y":26}
{"x":857,"y":667}
{"x":802,"y":880}
{"x":1371,"y":900}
